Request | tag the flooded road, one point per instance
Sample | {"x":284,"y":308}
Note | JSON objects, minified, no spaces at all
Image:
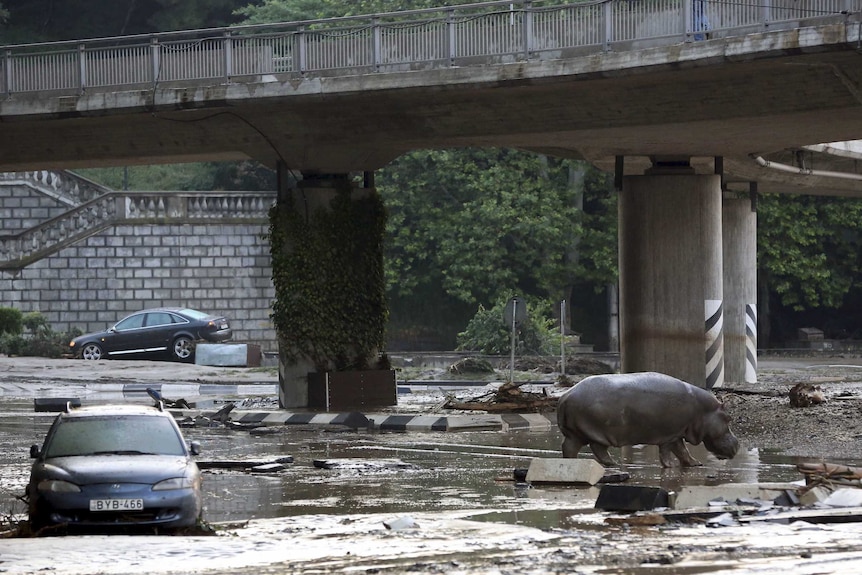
{"x":418,"y":502}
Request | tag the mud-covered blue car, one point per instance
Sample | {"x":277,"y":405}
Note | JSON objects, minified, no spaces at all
{"x":113,"y":468}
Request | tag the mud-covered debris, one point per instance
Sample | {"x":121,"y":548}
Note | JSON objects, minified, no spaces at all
{"x":357,"y":464}
{"x":241,"y":464}
{"x":169,"y":403}
{"x":820,"y":473}
{"x":806,"y":394}
{"x":471,"y":365}
{"x":508,"y":398}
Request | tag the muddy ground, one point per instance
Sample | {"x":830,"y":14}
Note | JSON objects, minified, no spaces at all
{"x":763,"y":416}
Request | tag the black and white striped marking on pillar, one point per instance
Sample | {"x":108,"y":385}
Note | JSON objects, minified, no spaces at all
{"x":750,"y":343}
{"x":713,"y":313}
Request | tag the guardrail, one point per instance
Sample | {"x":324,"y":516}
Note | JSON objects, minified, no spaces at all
{"x":19,"y":250}
{"x":504,"y":30}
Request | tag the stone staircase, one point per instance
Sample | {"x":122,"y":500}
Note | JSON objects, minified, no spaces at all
{"x":93,"y":208}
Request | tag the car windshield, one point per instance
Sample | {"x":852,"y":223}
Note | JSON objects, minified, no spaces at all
{"x":123,"y":434}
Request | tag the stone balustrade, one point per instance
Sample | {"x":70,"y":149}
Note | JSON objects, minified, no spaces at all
{"x":112,"y":208}
{"x":66,"y":187}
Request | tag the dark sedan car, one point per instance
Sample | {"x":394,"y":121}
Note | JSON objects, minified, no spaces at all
{"x":153,"y":332}
{"x":114,"y":467}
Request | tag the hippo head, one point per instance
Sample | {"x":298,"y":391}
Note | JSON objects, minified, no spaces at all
{"x":717,"y":436}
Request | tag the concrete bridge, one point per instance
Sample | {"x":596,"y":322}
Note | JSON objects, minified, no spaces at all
{"x":686,"y":101}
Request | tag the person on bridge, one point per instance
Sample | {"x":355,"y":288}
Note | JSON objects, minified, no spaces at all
{"x":700,"y":20}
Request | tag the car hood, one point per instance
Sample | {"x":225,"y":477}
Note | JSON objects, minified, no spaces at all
{"x":83,"y":470}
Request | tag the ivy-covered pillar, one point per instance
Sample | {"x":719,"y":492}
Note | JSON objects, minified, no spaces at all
{"x":326,"y":241}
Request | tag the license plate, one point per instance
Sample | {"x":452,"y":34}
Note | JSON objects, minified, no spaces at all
{"x":116,"y":504}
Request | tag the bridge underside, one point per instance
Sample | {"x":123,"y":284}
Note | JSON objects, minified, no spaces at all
{"x":738,"y":98}
{"x":753,"y":101}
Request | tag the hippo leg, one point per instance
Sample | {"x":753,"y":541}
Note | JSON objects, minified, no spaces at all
{"x":571,"y":446}
{"x":602,"y":455}
{"x":679,"y":449}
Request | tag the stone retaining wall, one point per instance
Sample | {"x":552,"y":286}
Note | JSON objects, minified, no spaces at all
{"x":219,"y":268}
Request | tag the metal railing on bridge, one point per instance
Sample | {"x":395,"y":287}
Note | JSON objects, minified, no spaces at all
{"x":501,"y":31}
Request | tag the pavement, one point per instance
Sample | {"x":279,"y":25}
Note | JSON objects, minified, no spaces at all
{"x":208,"y":388}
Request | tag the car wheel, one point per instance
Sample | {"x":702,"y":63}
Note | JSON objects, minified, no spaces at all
{"x":183,"y":348}
{"x":91,"y":351}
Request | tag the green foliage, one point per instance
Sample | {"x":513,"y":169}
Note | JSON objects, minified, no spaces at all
{"x":488,"y":333}
{"x":270,"y":11}
{"x":597,"y":247}
{"x":36,"y":323}
{"x":40,"y":341}
{"x":478,"y":223}
{"x":12,"y":344}
{"x":11,"y":321}
{"x":809,"y":248}
{"x":45,"y":20}
{"x":327,"y":269}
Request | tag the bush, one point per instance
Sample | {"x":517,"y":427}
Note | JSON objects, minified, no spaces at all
{"x":488,"y":333}
{"x":39,"y":341}
{"x":36,"y":323}
{"x":12,"y":344}
{"x":11,"y":321}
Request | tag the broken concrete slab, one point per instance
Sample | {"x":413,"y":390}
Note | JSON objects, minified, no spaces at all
{"x":243,"y":464}
{"x":228,"y":354}
{"x":814,"y":495}
{"x":701,"y":495}
{"x":631,"y":498}
{"x":565,"y":470}
{"x":844,"y":497}
{"x":268,"y":468}
{"x":821,"y":515}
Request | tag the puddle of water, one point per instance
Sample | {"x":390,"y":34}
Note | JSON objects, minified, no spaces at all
{"x":449,"y":471}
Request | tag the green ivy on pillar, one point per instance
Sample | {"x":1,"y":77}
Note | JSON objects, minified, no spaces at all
{"x":327,"y":270}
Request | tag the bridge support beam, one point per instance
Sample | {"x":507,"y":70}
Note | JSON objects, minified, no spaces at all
{"x":671,"y":287}
{"x":739,"y":232}
{"x":330,"y":306}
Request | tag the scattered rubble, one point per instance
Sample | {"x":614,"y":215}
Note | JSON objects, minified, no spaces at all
{"x":359,"y":464}
{"x":471,"y":365}
{"x":806,"y":394}
{"x":508,"y":398}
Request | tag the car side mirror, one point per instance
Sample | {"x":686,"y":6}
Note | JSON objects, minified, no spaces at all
{"x":195,"y":448}
{"x":34,"y":451}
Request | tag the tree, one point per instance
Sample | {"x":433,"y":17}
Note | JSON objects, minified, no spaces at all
{"x":808,"y":250}
{"x":47,"y":20}
{"x":478,"y":223}
{"x":270,"y":11}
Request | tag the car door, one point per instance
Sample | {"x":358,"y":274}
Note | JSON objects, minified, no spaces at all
{"x":124,"y":338}
{"x":160,"y":328}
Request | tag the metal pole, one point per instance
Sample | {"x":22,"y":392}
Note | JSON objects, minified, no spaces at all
{"x":563,"y":337}
{"x":512,"y":351}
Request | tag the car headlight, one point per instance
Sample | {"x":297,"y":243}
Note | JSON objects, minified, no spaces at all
{"x":71,"y":344}
{"x":57,"y":486}
{"x":177,"y":483}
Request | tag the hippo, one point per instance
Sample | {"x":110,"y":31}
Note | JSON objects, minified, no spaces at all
{"x":643,"y":408}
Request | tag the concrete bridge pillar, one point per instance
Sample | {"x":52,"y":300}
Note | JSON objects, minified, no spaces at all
{"x":330,"y":308}
{"x":671,"y":287}
{"x":739,"y":233}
